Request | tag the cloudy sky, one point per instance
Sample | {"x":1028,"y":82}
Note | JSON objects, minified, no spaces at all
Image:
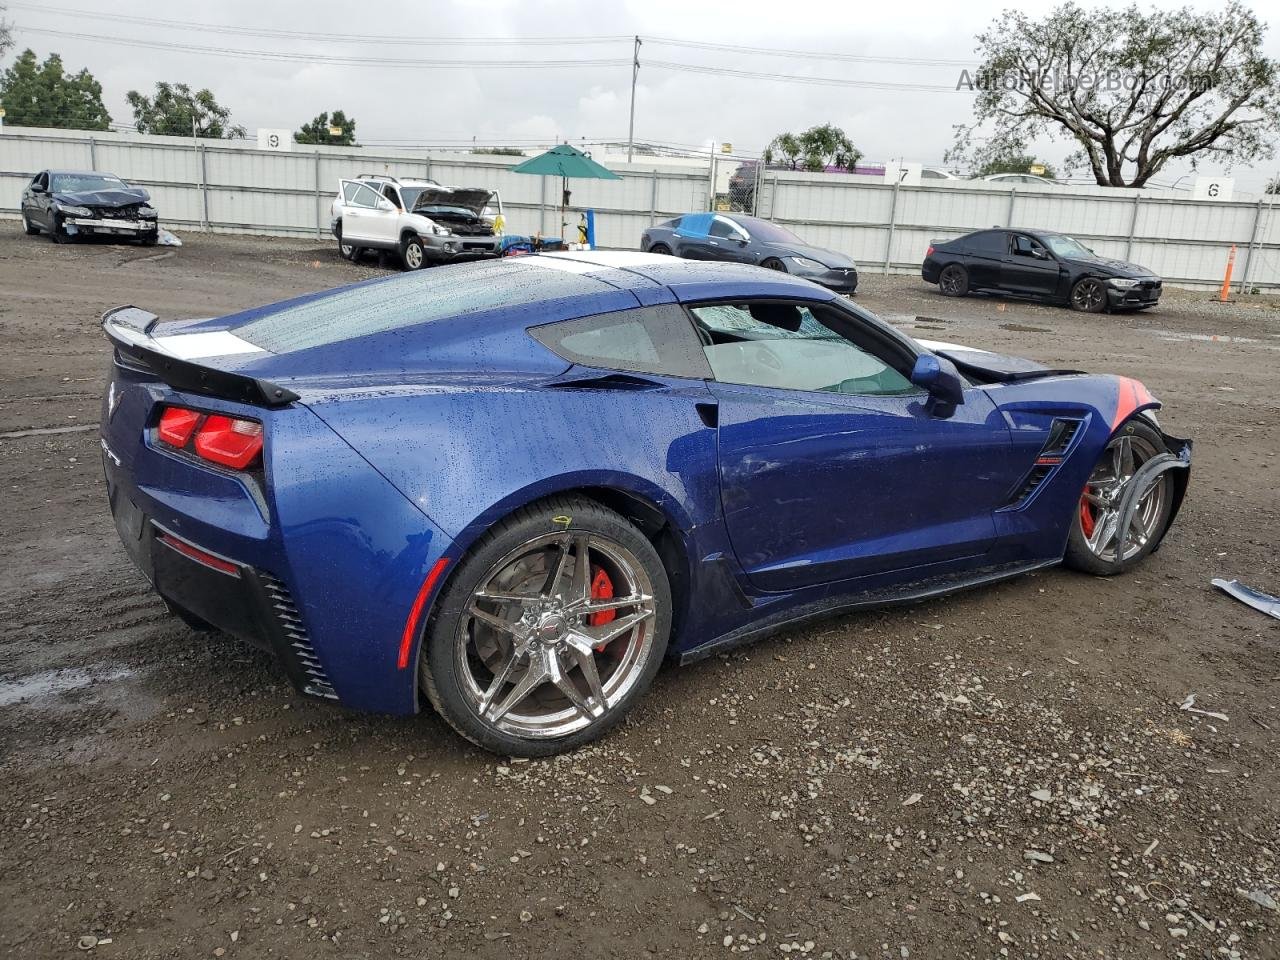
{"x":397,"y":97}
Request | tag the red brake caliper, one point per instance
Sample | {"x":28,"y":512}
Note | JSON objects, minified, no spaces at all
{"x":1086,"y":516}
{"x":602,"y":589}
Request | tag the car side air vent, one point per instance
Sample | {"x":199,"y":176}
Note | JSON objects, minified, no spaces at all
{"x":1034,"y":479}
{"x":314,"y":679}
{"x":1061,"y":433}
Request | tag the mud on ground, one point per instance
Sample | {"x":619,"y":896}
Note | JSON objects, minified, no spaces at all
{"x":1002,"y":773}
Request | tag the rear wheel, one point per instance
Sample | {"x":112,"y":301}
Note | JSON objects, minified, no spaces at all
{"x":773,"y":263}
{"x":29,"y":228}
{"x":1095,"y":544}
{"x":412,"y":254}
{"x":953,"y":281}
{"x":1088,"y":296}
{"x":661,"y":248}
{"x":549,"y":631}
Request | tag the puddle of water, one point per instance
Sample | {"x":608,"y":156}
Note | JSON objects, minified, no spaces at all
{"x":51,"y":684}
{"x":1201,"y":337}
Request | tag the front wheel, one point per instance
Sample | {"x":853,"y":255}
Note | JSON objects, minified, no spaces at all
{"x":29,"y":228}
{"x":59,"y":233}
{"x":549,"y":631}
{"x":773,"y":263}
{"x":660,"y":248}
{"x":412,"y":254}
{"x":1095,"y":544}
{"x":1088,"y":296}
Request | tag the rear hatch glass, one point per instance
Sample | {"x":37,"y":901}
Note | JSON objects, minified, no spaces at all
{"x":409,"y":300}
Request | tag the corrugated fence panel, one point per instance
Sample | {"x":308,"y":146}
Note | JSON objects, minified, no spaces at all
{"x":233,"y":187}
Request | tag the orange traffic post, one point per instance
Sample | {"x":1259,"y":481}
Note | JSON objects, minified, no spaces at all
{"x":1226,"y":280}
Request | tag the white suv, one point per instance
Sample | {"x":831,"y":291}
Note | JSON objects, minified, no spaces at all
{"x":420,"y":220}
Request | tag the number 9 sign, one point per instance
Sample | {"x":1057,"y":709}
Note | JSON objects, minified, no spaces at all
{"x":275,"y":139}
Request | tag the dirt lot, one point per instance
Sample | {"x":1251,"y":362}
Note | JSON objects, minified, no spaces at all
{"x":1003,"y":773}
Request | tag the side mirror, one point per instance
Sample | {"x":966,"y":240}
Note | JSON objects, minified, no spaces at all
{"x":1040,"y":253}
{"x":939,"y":376}
{"x":36,"y":188}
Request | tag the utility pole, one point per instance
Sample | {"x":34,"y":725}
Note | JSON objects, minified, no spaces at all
{"x":635,"y":73}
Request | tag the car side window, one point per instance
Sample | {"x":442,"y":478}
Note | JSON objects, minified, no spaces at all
{"x":41,"y":180}
{"x":991,"y":242}
{"x":795,"y":346}
{"x":656,"y":339}
{"x":365,"y":196}
{"x":349,"y":190}
{"x":725,"y":229}
{"x":389,"y":192}
{"x":1024,"y":246}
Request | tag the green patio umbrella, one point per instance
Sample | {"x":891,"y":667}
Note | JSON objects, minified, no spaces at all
{"x":565,"y":162}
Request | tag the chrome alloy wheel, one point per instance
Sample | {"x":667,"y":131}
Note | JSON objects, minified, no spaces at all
{"x":557,"y":633}
{"x":413,"y":255}
{"x":1100,"y":503}
{"x":951,"y":282}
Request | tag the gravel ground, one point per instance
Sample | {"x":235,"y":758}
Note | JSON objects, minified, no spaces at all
{"x":1005,"y":773}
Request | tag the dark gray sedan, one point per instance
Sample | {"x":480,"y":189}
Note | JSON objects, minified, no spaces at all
{"x":735,"y":238}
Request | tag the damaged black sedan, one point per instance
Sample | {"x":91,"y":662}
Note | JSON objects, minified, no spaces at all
{"x":67,"y":204}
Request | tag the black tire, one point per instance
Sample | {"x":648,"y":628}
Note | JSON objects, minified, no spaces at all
{"x":438,"y":666}
{"x":58,"y":234}
{"x":661,"y":248}
{"x":149,"y":239}
{"x":1079,"y":556}
{"x":346,"y":251}
{"x":773,"y":263}
{"x":29,"y":228}
{"x":1089,"y":295}
{"x":413,"y":254}
{"x":953,"y":281}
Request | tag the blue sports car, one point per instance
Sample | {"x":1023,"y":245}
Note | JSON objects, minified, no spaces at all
{"x":512,"y":488}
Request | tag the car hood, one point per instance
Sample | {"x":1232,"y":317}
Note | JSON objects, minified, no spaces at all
{"x":474,"y":199}
{"x":1110,"y":268}
{"x":828,"y":258}
{"x":988,"y":367}
{"x":103,"y":198}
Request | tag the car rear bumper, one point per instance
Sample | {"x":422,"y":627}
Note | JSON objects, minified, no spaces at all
{"x":210,"y":590}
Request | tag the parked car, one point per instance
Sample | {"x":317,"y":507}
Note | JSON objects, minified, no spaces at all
{"x":418,"y":490}
{"x":936,"y":173}
{"x":1039,"y":263}
{"x":67,"y":204}
{"x":737,"y":238}
{"x":419,"y":220}
{"x":1019,"y":179}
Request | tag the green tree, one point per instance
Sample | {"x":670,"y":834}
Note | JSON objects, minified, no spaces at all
{"x":996,"y":156}
{"x":6,"y":35}
{"x":817,"y":148}
{"x":1134,"y":89}
{"x":317,"y":131}
{"x":1274,"y":186}
{"x":37,"y":94}
{"x":170,"y":113}
{"x":503,"y":151}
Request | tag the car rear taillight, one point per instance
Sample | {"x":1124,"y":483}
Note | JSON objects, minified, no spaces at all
{"x":929,"y":252}
{"x":227,"y":441}
{"x":177,"y":424}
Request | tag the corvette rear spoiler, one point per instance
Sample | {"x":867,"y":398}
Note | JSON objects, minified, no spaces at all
{"x":129,"y":329}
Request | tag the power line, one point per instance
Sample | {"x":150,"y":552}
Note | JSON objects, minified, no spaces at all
{"x":285,"y":57}
{"x":333,"y":37}
{"x":795,"y":78}
{"x":807,"y":54}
